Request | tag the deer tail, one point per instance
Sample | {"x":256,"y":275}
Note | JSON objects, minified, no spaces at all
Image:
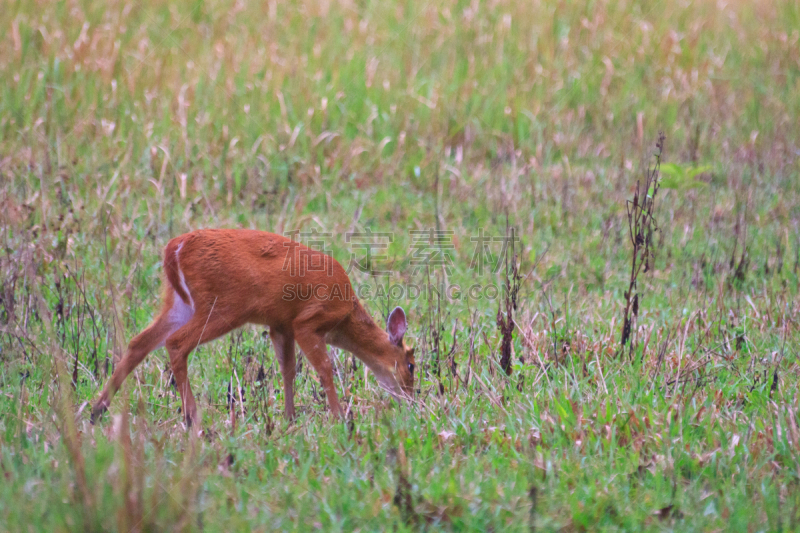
{"x":172,"y":268}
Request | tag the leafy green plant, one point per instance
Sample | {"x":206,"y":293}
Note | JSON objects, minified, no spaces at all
{"x":680,"y":177}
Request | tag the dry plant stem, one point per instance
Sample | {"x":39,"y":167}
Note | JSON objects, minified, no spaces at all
{"x":505,"y":320}
{"x":538,"y":356}
{"x":647,"y":340}
{"x":65,"y":411}
{"x":130,"y":515}
{"x":239,"y":391}
{"x":641,"y":227}
{"x":680,"y":357}
{"x":600,"y":371}
{"x":119,"y":341}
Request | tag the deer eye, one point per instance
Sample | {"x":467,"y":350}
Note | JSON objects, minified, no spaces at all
{"x":411,"y":367}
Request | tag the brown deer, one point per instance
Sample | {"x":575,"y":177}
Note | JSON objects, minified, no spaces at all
{"x":220,"y":279}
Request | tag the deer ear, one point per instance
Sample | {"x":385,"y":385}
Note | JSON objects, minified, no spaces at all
{"x":396,"y":326}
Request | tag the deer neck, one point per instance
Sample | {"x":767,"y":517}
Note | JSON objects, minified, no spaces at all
{"x":361,"y":336}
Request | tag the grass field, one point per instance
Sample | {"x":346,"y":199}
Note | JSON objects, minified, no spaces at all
{"x":438,"y":127}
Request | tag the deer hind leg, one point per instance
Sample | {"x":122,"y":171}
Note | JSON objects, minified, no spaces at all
{"x":174,"y":314}
{"x":204,"y":326}
{"x":284,"y":350}
{"x":313,"y":345}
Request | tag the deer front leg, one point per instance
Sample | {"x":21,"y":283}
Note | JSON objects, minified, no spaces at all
{"x":313,"y":345}
{"x":284,"y":350}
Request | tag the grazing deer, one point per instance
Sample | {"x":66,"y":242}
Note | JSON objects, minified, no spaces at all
{"x":220,"y":279}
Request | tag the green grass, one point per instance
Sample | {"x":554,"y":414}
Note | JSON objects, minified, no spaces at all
{"x":125,"y":124}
